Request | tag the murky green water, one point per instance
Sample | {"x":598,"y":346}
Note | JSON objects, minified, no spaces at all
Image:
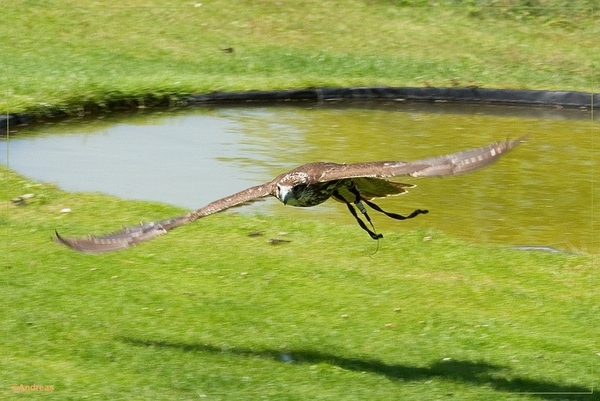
{"x":539,"y":194}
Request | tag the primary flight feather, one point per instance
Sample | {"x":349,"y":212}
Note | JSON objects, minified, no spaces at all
{"x":312,"y":184}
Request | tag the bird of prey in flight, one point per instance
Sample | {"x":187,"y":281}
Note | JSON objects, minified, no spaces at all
{"x":310,"y":185}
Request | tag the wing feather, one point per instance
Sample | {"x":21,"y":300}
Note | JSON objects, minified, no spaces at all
{"x":133,"y":235}
{"x":371,"y":188}
{"x":453,"y":164}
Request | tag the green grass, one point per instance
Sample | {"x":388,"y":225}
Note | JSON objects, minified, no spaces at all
{"x":73,"y":55}
{"x":210,"y":311}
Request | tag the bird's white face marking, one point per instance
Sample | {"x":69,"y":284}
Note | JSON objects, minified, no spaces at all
{"x":290,"y":188}
{"x":284,"y":193}
{"x":294,"y":195}
{"x":300,"y":193}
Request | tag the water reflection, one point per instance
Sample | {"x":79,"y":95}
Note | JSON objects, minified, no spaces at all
{"x":540,"y":194}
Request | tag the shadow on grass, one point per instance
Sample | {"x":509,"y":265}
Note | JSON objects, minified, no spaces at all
{"x":476,"y":373}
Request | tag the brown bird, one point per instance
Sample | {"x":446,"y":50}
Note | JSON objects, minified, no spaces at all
{"x":310,"y":185}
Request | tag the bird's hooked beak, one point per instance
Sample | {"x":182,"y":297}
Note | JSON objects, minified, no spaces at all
{"x":284,"y":193}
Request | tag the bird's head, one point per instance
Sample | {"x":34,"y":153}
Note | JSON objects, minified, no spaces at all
{"x":290,"y":195}
{"x":290,"y":188}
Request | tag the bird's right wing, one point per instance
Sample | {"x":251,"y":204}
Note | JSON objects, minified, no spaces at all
{"x":130,"y":236}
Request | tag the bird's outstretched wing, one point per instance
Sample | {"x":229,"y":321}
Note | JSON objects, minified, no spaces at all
{"x":133,"y":235}
{"x":453,"y":164}
{"x":369,"y":179}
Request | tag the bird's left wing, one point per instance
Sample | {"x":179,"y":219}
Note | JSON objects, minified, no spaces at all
{"x":130,"y":236}
{"x":452,"y":164}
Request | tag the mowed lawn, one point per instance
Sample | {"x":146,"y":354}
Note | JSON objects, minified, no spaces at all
{"x":210,"y":312}
{"x":74,"y":55}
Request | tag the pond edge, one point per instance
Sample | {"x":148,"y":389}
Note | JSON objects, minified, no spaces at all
{"x":515,"y":97}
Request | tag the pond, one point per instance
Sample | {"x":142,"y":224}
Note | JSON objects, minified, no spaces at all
{"x":539,"y":194}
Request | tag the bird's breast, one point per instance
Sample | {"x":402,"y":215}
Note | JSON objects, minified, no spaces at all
{"x":313,"y":194}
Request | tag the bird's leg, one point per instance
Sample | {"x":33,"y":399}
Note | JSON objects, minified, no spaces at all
{"x":359,"y":205}
{"x":359,"y":221}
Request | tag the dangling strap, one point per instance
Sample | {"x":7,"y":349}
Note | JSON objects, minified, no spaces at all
{"x":377,"y":208}
{"x":395,"y":215}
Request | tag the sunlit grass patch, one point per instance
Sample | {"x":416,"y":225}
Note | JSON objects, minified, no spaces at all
{"x":83,"y":54}
{"x":210,"y":309}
